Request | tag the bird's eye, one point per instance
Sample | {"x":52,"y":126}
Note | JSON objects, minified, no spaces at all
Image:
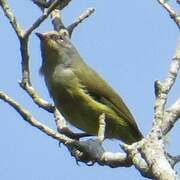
{"x":60,"y":38}
{"x":57,"y":37}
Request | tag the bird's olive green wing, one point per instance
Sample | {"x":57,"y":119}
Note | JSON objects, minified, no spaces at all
{"x":99,"y":89}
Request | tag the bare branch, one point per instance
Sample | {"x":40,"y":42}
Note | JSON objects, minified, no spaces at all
{"x":36,"y":98}
{"x":23,"y":38}
{"x":60,"y":121}
{"x":136,"y":158}
{"x":173,"y":70}
{"x":9,"y":14}
{"x":116,"y":159}
{"x":81,"y":18}
{"x":176,"y":160}
{"x":25,"y":60}
{"x":153,"y":150}
{"x":171,"y":12}
{"x":171,"y":115}
{"x":58,"y":24}
{"x":162,"y":90}
{"x":25,"y":82}
{"x":154,"y":154}
{"x":34,"y":122}
{"x":173,"y":160}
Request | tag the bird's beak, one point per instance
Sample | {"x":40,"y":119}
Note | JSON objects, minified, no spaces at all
{"x":39,"y":35}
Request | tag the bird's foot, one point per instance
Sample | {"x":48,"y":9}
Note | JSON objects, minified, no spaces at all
{"x":88,"y":151}
{"x":91,"y":150}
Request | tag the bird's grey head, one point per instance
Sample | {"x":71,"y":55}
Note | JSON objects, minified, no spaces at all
{"x":53,"y":41}
{"x":56,"y":49}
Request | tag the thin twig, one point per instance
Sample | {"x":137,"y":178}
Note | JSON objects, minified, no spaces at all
{"x":173,"y":160}
{"x":171,"y":12}
{"x":25,"y":82}
{"x":36,"y":97}
{"x":58,"y":24}
{"x":173,"y":70}
{"x":171,"y":115}
{"x":81,"y":18}
{"x":8,"y":13}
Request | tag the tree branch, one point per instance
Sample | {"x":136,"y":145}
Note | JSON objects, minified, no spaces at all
{"x":153,"y":150}
{"x":80,"y":19}
{"x":36,"y":24}
{"x":23,"y":38}
{"x":162,"y":89}
{"x":171,"y":116}
{"x":12,"y":19}
{"x":134,"y":154}
{"x":171,"y":11}
{"x":26,"y":115}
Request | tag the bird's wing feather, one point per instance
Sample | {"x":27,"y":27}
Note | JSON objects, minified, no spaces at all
{"x":103,"y":92}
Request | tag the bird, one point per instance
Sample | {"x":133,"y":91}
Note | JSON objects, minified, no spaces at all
{"x":80,"y":93}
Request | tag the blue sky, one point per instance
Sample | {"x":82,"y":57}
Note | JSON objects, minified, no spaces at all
{"x":129,"y":44}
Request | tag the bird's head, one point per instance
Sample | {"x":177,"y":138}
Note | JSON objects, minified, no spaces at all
{"x":56,"y":49}
{"x":54,"y":42}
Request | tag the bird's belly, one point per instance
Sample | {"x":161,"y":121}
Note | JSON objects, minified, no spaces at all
{"x":81,"y":114}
